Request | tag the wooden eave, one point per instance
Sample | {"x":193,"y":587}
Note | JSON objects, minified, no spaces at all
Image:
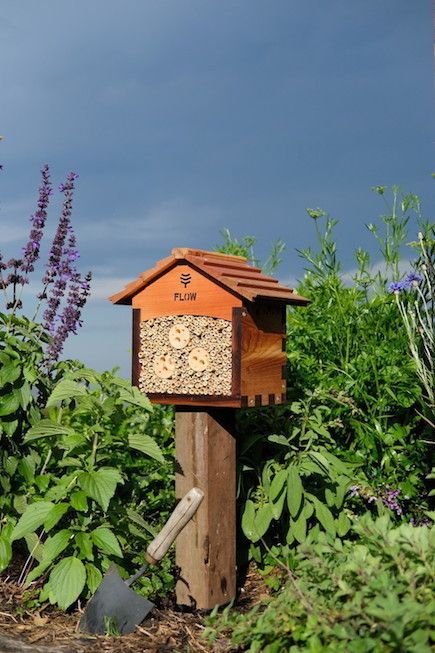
{"x":231,"y":272}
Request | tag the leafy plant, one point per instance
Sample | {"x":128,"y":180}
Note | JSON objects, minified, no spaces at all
{"x":375,"y":594}
{"x":80,"y":509}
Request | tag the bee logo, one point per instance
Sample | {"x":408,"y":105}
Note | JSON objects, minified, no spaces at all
{"x":185,"y":279}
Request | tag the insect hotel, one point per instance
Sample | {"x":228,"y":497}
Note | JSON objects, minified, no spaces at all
{"x":209,"y":337}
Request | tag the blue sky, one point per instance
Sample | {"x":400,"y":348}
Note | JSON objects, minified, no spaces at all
{"x":183,"y":117}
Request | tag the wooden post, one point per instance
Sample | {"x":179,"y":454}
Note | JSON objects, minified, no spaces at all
{"x":206,"y":548}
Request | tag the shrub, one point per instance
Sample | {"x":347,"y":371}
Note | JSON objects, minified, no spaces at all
{"x":374,"y":595}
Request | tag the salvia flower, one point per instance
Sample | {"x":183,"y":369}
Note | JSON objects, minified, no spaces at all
{"x":62,"y":231}
{"x":390,"y":499}
{"x":37,"y":220}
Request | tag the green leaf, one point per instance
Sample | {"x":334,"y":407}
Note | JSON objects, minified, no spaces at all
{"x":34,"y":545}
{"x":324,"y":516}
{"x":248,"y":517}
{"x":93,"y":577}
{"x":278,"y":493}
{"x":46,"y":428}
{"x":146,"y":445}
{"x":279,"y":439}
{"x":24,"y":395}
{"x":66,"y":389}
{"x":5,"y":552}
{"x":84,"y":542}
{"x":9,"y":427}
{"x":52,"y":547}
{"x":140,"y":521}
{"x":106,"y":541}
{"x":100,"y":485}
{"x":27,"y":466}
{"x":9,"y":373}
{"x":79,"y":501}
{"x":343,"y":524}
{"x":277,"y":485}
{"x":67,"y":581}
{"x":9,"y":404}
{"x":55,"y":514}
{"x":294,"y":491}
{"x":298,"y":528}
{"x":34,"y":516}
{"x":262,"y":520}
{"x":10,"y":465}
{"x":135,"y":397}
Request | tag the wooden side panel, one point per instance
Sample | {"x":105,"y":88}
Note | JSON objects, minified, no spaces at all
{"x":183,"y":290}
{"x":135,"y":362}
{"x":263,"y":359}
{"x":206,"y":548}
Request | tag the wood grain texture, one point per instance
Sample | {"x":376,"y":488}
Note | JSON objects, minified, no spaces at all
{"x":263,"y":328}
{"x":198,"y":295}
{"x":206,"y":548}
{"x":181,"y":516}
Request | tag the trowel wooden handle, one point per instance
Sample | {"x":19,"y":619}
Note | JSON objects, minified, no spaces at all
{"x":182,"y":514}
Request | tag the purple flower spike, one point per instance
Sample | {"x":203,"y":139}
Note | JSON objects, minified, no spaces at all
{"x":37,"y":220}
{"x":62,"y":231}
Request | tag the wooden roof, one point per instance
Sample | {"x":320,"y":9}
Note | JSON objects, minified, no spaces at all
{"x":232,"y":272}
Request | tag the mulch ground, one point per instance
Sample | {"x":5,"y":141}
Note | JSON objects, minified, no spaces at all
{"x":167,"y":630}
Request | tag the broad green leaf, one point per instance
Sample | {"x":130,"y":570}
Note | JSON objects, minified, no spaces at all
{"x":20,"y":503}
{"x":106,"y":541}
{"x":46,"y":428}
{"x":135,"y":397}
{"x":84,"y":542}
{"x":27,"y":466}
{"x":100,"y":485}
{"x":298,"y":528}
{"x":9,"y":404}
{"x":66,"y":389}
{"x":9,"y":373}
{"x":33,"y":517}
{"x":24,"y":395}
{"x":93,"y":577}
{"x":10,"y":465}
{"x":147,"y":445}
{"x":277,"y":485}
{"x":263,"y":517}
{"x":330,"y":497}
{"x":248,"y":517}
{"x":34,"y":545}
{"x":324,"y":516}
{"x":79,"y":500}
{"x":52,"y":547}
{"x":294,"y":491}
{"x":9,"y":427}
{"x":343,"y":524}
{"x":5,"y":552}
{"x":67,"y":581}
{"x":279,"y":439}
{"x":55,"y":514}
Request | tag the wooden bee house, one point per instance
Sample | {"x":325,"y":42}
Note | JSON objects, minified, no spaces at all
{"x":208,"y":330}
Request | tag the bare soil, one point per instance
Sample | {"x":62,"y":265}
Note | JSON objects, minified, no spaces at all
{"x":167,"y":630}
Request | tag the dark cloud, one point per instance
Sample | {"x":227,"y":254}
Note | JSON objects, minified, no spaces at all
{"x":185,"y":117}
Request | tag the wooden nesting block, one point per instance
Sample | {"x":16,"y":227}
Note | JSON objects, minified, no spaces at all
{"x":186,"y":354}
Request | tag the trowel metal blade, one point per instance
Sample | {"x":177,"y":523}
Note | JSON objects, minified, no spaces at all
{"x":114,"y":606}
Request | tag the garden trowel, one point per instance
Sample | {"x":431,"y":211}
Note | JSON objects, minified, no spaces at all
{"x":115,"y":608}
